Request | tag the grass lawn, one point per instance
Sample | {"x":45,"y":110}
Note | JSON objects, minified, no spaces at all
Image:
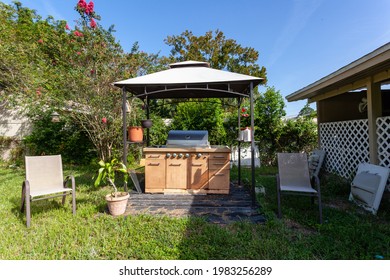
{"x":347,"y":232}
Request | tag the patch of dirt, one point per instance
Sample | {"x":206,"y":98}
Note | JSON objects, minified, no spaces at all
{"x":338,"y":203}
{"x":300,"y":228}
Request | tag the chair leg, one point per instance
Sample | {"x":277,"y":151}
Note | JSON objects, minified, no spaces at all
{"x":73,"y":182}
{"x":320,"y":208}
{"x":73,"y":195}
{"x":64,"y":198}
{"x":279,"y":198}
{"x":23,"y":198}
{"x":28,"y":212}
{"x":26,"y":202}
{"x":74,"y":202}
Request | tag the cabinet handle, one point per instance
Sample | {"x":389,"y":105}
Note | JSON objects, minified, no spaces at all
{"x":173,"y":164}
{"x":218,"y":156}
{"x":154,"y":156}
{"x":154,"y":164}
{"x":197,"y":164}
{"x":219,"y":163}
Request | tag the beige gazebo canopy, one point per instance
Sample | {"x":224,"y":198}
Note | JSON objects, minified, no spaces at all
{"x":190,"y":79}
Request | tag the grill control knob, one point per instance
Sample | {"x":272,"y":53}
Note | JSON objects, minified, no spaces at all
{"x":168,"y":155}
{"x":180,"y":155}
{"x":199,"y":155}
{"x":174,"y":155}
{"x":187,"y":155}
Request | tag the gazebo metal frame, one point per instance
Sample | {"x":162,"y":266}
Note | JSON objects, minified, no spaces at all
{"x":192,"y":79}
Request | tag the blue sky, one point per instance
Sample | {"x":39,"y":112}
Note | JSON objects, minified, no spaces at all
{"x":300,"y":41}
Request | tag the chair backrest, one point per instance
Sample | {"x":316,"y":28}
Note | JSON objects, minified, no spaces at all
{"x":44,"y":172}
{"x":293,"y":169}
{"x":316,"y":160}
{"x":368,"y":185}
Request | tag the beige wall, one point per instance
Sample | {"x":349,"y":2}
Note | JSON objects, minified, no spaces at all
{"x":12,"y":124}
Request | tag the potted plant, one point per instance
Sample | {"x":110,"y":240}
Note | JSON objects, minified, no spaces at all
{"x":134,"y":130}
{"x":116,"y":201}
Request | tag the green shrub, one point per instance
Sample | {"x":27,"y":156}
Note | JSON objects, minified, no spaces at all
{"x":62,"y":137}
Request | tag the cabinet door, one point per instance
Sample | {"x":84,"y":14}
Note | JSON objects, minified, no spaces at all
{"x":219,"y":173}
{"x":154,"y":175}
{"x":176,"y":173}
{"x":198,"y":170}
{"x":220,"y":179}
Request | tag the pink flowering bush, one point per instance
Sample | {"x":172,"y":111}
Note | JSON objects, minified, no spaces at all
{"x":92,"y":23}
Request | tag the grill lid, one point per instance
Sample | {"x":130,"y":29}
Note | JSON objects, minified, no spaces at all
{"x":193,"y":138}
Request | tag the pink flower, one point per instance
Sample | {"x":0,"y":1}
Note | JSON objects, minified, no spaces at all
{"x":38,"y":92}
{"x":40,"y":41}
{"x":82,"y":4}
{"x":243,"y":109}
{"x":78,"y":53}
{"x":78,"y":34}
{"x":104,"y":120}
{"x":89,"y":8}
{"x":93,"y":23}
{"x":67,"y":27}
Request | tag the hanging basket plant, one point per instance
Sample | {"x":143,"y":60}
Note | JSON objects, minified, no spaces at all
{"x":146,"y":123}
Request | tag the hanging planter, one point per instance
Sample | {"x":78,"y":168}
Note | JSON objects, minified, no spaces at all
{"x":135,"y":133}
{"x":146,"y":123}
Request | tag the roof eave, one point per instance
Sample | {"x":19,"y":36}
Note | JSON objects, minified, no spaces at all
{"x":338,"y":77}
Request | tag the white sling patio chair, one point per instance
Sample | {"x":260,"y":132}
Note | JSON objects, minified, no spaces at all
{"x":44,"y":180}
{"x":316,"y":159}
{"x":368,"y":185}
{"x":293,"y":178}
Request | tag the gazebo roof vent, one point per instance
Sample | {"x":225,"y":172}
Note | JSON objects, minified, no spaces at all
{"x":189,"y":63}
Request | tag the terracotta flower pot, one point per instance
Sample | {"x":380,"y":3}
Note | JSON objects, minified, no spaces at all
{"x":117,"y":205}
{"x":135,"y":133}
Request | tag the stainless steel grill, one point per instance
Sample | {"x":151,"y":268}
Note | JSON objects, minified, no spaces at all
{"x":188,"y":138}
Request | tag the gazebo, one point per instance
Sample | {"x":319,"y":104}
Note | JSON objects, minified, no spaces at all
{"x":191,"y":79}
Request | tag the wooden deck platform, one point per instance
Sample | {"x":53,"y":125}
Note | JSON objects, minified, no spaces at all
{"x":215,"y":208}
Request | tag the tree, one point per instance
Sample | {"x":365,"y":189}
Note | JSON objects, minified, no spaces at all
{"x":49,"y":66}
{"x":201,"y":116}
{"x":299,"y":135}
{"x":220,"y":52}
{"x":269,"y":109}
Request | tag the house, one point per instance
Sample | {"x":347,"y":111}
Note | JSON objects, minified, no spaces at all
{"x":353,"y":112}
{"x":13,"y":127}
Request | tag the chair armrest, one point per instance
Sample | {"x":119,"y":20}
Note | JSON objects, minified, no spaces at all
{"x":71,"y":178}
{"x":26,"y":188}
{"x":316,"y":180}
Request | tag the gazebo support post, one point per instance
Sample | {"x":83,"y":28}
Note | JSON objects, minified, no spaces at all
{"x":253,"y":192}
{"x":124,"y":117}
{"x":148,"y":117}
{"x":239,"y":141}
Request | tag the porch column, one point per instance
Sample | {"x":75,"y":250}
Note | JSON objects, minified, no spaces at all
{"x":374,"y":110}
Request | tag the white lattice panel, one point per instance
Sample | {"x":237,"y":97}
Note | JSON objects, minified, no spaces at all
{"x":383,"y":132}
{"x":346,"y":144}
